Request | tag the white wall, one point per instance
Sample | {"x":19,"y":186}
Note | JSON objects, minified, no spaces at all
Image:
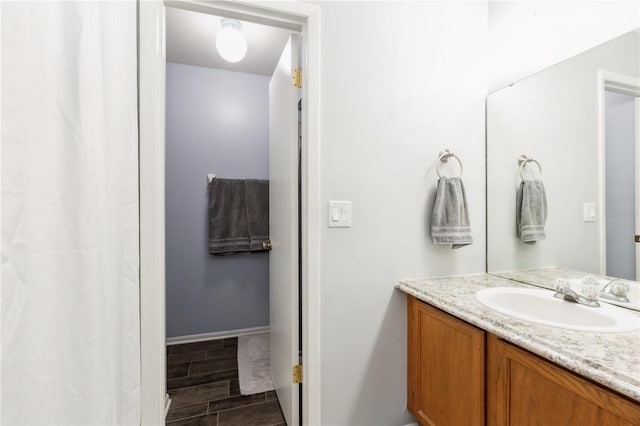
{"x":528,"y":36}
{"x":553,"y":117}
{"x":400,"y":81}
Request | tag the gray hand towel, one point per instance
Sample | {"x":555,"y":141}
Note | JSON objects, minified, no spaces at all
{"x":257,"y":195}
{"x":450,"y":217}
{"x":228,"y":230}
{"x":531,"y":211}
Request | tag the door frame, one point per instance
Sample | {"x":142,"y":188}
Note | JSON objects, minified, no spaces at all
{"x":620,"y":83}
{"x":295,"y":16}
{"x":636,"y":135}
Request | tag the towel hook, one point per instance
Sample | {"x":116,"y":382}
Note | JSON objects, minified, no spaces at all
{"x":444,"y":156}
{"x":523,"y":160}
{"x":210,"y":178}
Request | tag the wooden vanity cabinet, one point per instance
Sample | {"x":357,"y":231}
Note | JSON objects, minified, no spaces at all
{"x":445,"y":368}
{"x":524,"y":389}
{"x":451,"y":363}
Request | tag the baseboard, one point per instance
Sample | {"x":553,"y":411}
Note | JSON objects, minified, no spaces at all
{"x":178,"y":340}
{"x":167,"y":404}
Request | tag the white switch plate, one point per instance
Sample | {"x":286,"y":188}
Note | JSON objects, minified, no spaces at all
{"x":589,"y":212}
{"x":339,"y":214}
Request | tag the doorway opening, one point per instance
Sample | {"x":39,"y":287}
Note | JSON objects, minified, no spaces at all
{"x":619,"y":174}
{"x":621,"y":187}
{"x":296,"y":17}
{"x":233,"y":225}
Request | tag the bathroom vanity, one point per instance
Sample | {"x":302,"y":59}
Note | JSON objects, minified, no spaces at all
{"x":468,"y":364}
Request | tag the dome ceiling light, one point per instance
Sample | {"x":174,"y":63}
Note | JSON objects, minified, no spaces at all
{"x":230,"y":42}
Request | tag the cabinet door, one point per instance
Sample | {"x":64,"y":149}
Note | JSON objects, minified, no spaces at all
{"x":445,"y":368}
{"x":523,"y":389}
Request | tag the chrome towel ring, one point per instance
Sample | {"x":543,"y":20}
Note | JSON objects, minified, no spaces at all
{"x":523,"y":160}
{"x":443,"y":157}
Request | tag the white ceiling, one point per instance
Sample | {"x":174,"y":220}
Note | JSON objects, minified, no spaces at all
{"x":191,"y":40}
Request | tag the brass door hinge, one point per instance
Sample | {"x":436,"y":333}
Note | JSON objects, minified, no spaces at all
{"x":296,"y":77}
{"x":637,"y":238}
{"x":267,"y":245}
{"x":297,"y":373}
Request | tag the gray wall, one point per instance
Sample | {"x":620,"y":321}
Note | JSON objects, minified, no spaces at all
{"x":620,"y":185}
{"x":216,"y":122}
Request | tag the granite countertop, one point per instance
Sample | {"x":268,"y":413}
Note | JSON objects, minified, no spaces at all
{"x":612,"y":360}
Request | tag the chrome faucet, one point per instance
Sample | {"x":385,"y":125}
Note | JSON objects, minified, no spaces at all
{"x":615,"y":290}
{"x":564,"y":292}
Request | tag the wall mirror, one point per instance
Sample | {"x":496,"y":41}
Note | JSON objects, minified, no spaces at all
{"x":580,"y":121}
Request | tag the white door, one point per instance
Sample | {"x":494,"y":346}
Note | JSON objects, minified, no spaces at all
{"x":283,"y":227}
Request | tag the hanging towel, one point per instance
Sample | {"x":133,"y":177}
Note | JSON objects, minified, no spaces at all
{"x":228,"y":231}
{"x":238,"y":215}
{"x":257,"y":196}
{"x":450,"y":217}
{"x":531,"y":211}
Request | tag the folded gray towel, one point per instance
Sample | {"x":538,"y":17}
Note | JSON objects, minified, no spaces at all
{"x":450,"y":218}
{"x":257,"y":196}
{"x":228,"y":231}
{"x":531,"y":211}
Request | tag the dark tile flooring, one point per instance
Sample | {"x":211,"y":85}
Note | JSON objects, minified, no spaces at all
{"x":202,"y":382}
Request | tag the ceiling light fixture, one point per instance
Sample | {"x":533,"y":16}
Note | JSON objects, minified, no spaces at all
{"x":230,"y":41}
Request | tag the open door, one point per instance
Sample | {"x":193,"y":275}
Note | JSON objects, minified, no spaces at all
{"x":283,"y":227}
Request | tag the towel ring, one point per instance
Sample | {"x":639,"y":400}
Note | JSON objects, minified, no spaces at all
{"x":443,"y":157}
{"x":523,"y":160}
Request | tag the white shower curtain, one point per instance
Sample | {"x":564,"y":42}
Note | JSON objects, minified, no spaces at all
{"x":69,"y":158}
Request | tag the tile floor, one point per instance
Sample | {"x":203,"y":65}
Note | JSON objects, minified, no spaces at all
{"x":202,"y":382}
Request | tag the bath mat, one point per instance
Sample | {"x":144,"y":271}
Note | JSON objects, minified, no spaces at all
{"x":254,"y":373}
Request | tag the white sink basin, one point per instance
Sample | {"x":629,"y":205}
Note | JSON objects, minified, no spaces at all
{"x":539,"y":306}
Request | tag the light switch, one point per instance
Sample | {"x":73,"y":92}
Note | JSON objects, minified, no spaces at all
{"x":339,"y":214}
{"x":589,"y":212}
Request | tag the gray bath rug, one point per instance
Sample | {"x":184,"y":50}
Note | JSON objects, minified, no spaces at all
{"x":254,"y":373}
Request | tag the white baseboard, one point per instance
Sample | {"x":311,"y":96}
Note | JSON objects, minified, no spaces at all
{"x":167,"y":404}
{"x":178,"y":340}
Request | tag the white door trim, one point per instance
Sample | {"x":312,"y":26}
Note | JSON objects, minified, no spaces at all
{"x":296,"y":16}
{"x":620,"y":83}
{"x":636,"y":119}
{"x":151,"y":90}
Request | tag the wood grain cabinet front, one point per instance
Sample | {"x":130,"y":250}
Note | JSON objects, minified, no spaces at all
{"x":445,"y":368}
{"x":452,"y":363}
{"x":524,"y":389}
